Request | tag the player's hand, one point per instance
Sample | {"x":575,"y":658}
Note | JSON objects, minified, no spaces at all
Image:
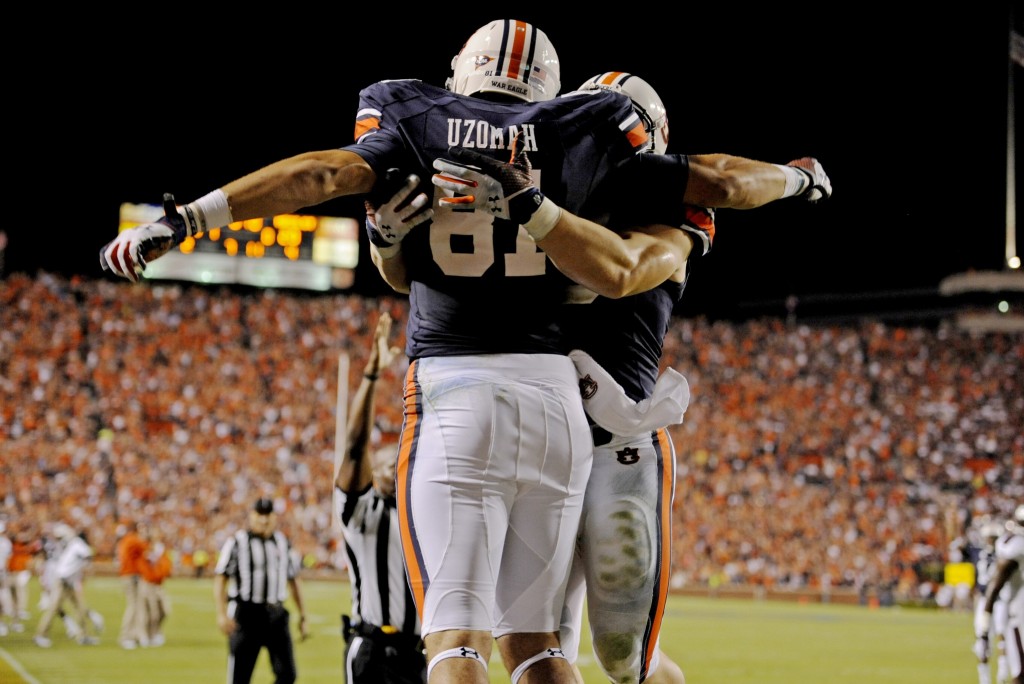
{"x":226,"y":624}
{"x":820,"y":187}
{"x":128,"y":253}
{"x":477,"y":182}
{"x":389,"y":223}
{"x":981,"y":649}
{"x":381,"y":353}
{"x":303,"y":630}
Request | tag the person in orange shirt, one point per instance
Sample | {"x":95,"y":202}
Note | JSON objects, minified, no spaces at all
{"x":131,"y":551}
{"x":156,"y":567}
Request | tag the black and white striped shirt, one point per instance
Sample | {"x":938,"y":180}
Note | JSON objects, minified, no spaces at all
{"x":260,"y":568}
{"x":380,"y":588}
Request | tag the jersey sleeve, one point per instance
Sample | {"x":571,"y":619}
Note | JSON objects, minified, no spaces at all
{"x":699,"y":222}
{"x":228,"y":560}
{"x":647,"y":189}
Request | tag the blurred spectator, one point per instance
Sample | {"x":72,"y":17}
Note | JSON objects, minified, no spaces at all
{"x":155,"y":568}
{"x":74,"y":558}
{"x":131,"y":557}
{"x":172,"y":404}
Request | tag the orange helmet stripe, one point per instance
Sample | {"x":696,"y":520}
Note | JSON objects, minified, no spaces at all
{"x":518,"y":42}
{"x":610,"y":78}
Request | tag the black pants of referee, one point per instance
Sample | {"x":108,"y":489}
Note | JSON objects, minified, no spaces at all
{"x":373,"y":657}
{"x":261,"y":626}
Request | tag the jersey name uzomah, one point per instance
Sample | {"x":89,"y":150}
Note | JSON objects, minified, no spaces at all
{"x":479,"y":134}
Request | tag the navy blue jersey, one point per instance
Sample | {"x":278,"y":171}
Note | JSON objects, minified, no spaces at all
{"x":479,"y":284}
{"x":626,"y":336}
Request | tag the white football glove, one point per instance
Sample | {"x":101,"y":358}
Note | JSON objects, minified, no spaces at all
{"x":128,"y":253}
{"x":388,"y":224}
{"x":503,"y":189}
{"x":819,"y":187}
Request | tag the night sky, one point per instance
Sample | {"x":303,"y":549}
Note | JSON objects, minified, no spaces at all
{"x":906,"y":111}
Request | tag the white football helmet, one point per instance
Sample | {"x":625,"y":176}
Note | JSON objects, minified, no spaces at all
{"x":510,"y":57}
{"x":990,"y":531}
{"x":645,"y":101}
{"x":1016,"y":523}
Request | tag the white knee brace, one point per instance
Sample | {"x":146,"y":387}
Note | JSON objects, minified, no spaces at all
{"x":457,"y":652}
{"x":525,"y":665}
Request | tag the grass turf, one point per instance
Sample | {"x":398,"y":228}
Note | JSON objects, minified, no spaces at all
{"x":714,"y":640}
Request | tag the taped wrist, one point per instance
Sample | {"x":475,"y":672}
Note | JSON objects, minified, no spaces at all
{"x":209,"y":211}
{"x":376,"y":238}
{"x":797,"y":180}
{"x":543,"y":220}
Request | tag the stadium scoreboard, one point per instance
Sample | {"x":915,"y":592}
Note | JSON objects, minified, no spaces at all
{"x":288,"y":251}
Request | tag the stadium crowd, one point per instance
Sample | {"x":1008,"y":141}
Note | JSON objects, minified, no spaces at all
{"x":810,"y":457}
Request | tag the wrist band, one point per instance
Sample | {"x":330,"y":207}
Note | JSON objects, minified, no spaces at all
{"x":209,"y":211}
{"x":543,"y":220}
{"x":796,"y":181}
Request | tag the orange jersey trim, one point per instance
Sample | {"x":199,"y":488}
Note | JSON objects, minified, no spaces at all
{"x":668,"y":478}
{"x":637,"y":136}
{"x":364,"y":126}
{"x":403,"y":472}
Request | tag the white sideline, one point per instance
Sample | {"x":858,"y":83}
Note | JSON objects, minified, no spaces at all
{"x":18,"y":669}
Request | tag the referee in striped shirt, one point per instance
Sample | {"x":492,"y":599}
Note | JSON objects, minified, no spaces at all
{"x":253,"y":575}
{"x":383,"y":644}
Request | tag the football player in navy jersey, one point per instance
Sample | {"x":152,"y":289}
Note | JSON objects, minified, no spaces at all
{"x":496,"y":449}
{"x":617,"y":343}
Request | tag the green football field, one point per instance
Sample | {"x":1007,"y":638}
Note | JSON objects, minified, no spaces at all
{"x":715,"y":640}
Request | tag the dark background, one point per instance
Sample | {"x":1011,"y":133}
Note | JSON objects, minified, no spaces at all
{"x":905,"y":107}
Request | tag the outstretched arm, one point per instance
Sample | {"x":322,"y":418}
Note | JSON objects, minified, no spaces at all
{"x":725,"y":181}
{"x":605,"y":262}
{"x":354,"y":473}
{"x":285,"y":186}
{"x":304,"y":180}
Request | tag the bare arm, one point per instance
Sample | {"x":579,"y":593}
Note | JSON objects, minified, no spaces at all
{"x":304,"y":180}
{"x":220,"y":596}
{"x":293,"y":585}
{"x":723,"y":181}
{"x":1004,"y":571}
{"x":614,"y":265}
{"x":354,"y":474}
{"x":392,"y":270}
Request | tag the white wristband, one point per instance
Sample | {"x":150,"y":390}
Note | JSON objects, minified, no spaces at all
{"x":543,"y":220}
{"x":209,"y":211}
{"x":796,"y":182}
